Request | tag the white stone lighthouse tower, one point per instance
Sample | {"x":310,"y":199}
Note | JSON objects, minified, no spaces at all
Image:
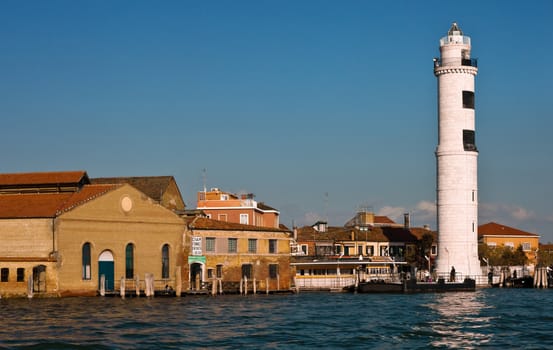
{"x":456,"y":157}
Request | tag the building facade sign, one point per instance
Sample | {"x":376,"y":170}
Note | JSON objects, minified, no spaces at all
{"x":196,"y":259}
{"x":196,"y":245}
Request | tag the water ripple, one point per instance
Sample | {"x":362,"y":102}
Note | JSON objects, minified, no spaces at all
{"x":491,"y":318}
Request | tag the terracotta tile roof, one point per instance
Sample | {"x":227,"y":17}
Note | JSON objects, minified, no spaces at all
{"x":421,"y":231}
{"x":264,"y":206}
{"x":308,"y":233}
{"x":200,"y":223}
{"x":368,"y":219}
{"x":546,"y":247}
{"x":495,"y":229}
{"x":152,"y":186}
{"x":55,"y":177}
{"x":87,"y":193}
{"x":31,"y":205}
{"x":378,"y":219}
{"x":375,"y":234}
{"x":284,"y":227}
{"x":410,"y":235}
{"x":333,"y":233}
{"x":47,"y":205}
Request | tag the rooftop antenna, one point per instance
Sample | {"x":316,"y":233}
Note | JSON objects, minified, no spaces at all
{"x":366,"y":208}
{"x":326,"y":208}
{"x":204,"y":178}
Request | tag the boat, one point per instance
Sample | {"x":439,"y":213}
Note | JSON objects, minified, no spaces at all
{"x":523,"y":282}
{"x":379,"y":286}
{"x":508,"y":281}
{"x":414,"y":286}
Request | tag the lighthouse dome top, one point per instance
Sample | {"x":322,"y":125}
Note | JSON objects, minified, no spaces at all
{"x":454,"y":30}
{"x":455,"y":36}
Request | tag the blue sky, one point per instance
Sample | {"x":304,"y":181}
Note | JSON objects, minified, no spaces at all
{"x":319,"y":108}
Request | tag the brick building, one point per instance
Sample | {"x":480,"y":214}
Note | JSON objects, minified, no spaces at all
{"x":240,"y":209}
{"x":227,"y":253}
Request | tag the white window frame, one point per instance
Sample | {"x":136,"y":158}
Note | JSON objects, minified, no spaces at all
{"x":244,"y":219}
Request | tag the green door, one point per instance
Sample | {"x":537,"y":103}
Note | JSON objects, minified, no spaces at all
{"x":106,"y":268}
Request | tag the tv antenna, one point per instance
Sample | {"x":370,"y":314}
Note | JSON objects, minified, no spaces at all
{"x":204,"y":179}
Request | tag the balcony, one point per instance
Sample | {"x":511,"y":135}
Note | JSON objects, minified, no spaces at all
{"x":471,"y":62}
{"x":468,"y":62}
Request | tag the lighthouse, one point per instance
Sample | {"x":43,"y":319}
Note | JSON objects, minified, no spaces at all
{"x":456,"y":157}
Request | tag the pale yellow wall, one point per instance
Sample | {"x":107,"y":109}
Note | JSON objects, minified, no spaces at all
{"x":103,"y":223}
{"x":26,"y":243}
{"x":172,"y":198}
{"x":516,"y":240}
{"x":26,"y":237}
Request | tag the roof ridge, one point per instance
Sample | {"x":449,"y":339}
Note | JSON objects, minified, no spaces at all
{"x":106,"y":188}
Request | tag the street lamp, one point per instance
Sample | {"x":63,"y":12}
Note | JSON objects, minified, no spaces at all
{"x":428,"y":259}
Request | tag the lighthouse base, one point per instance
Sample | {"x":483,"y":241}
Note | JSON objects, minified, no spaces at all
{"x":455,"y":264}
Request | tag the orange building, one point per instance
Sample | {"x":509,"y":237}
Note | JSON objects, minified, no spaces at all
{"x":495,"y":235}
{"x":240,"y":209}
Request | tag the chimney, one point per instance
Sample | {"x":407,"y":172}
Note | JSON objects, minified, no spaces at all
{"x":406,"y":221}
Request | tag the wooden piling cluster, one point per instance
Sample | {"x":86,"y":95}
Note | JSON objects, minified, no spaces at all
{"x":540,"y":278}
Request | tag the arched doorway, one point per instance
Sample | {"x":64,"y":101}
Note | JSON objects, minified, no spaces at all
{"x":196,"y":270}
{"x":39,"y":278}
{"x":106,"y":268}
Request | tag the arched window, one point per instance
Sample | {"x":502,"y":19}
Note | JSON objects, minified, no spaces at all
{"x":165,"y":261}
{"x":129,"y":261}
{"x":86,"y":261}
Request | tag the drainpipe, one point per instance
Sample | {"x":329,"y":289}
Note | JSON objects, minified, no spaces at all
{"x":53,"y":236}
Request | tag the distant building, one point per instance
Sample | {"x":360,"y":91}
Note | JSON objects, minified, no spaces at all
{"x":240,"y":209}
{"x":368,"y":219}
{"x":333,"y":257}
{"x":495,"y":235}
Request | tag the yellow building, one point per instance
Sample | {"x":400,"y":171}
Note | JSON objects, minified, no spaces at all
{"x":59,"y":235}
{"x":495,"y":235}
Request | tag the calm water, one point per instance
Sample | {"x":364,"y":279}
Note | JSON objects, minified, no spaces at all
{"x":489,"y":318}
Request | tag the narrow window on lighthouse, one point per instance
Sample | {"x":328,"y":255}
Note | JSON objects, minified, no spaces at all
{"x":469,"y":140}
{"x":473,"y":196}
{"x":468,"y":99}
